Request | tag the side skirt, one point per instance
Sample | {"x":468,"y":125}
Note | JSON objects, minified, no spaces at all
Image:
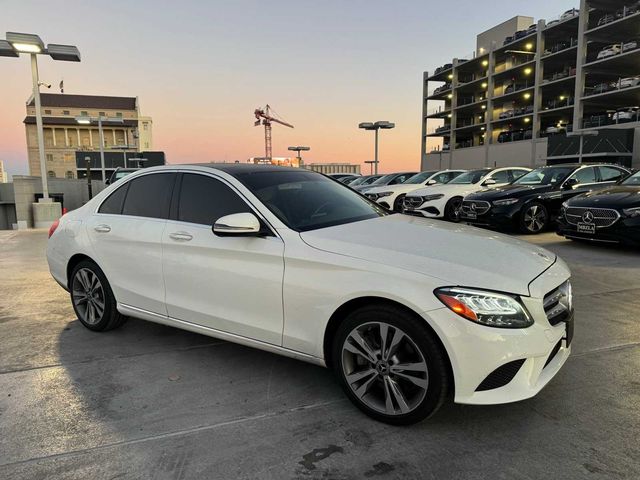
{"x":135,"y":312}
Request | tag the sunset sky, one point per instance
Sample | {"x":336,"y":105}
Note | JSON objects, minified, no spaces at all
{"x":201,"y":69}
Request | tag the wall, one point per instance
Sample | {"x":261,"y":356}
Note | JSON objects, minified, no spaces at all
{"x":500,"y":32}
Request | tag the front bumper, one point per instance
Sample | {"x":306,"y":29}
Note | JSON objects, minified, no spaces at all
{"x":625,"y":231}
{"x":477,"y":351}
{"x":428,"y":209}
{"x":496,"y":217}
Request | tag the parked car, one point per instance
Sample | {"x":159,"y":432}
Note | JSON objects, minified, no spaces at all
{"x":443,"y":68}
{"x":609,"y":51}
{"x":364,"y":180}
{"x":520,"y":34}
{"x":392,"y":196}
{"x":506,"y":114}
{"x":609,"y":215}
{"x":598,"y":120}
{"x":395,"y":324}
{"x":630,"y":45}
{"x":628,"y":82}
{"x":629,"y":114}
{"x":608,"y":18}
{"x":350,"y":179}
{"x":385,"y":180}
{"x":119,"y":173}
{"x":339,"y":176}
{"x":569,"y":14}
{"x":442,"y":88}
{"x":532,"y":29}
{"x":444,"y":201}
{"x":532,"y":202}
{"x":508,"y":40}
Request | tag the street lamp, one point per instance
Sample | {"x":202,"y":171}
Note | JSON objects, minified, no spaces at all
{"x":13,"y":46}
{"x":299,"y":149}
{"x":86,"y":120}
{"x":371,"y":164}
{"x":384,"y":125}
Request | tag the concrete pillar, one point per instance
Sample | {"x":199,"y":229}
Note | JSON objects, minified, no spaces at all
{"x":578,"y":108}
{"x":53,"y":135}
{"x":66,"y":137}
{"x":537,"y":92}
{"x":45,"y":213}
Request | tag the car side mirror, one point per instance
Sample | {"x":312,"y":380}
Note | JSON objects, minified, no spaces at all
{"x":432,"y":182}
{"x":489,"y":181}
{"x":107,"y":181}
{"x":569,"y":184}
{"x":238,"y":225}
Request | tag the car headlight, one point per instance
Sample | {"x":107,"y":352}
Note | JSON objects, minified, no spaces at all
{"x":506,"y":201}
{"x":428,"y":198}
{"x":632,"y":212}
{"x":384,"y":194}
{"x":487,"y":308}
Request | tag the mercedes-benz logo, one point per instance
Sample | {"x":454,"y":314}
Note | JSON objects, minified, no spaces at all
{"x":473,"y":207}
{"x":587,"y":217}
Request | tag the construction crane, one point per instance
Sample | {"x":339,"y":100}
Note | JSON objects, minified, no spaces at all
{"x":263,"y":115}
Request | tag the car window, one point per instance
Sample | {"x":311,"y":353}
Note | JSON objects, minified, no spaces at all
{"x":610,"y":174}
{"x":113,"y":204}
{"x":585,"y":175}
{"x":469,"y":178}
{"x":633,"y":180}
{"x":545,"y":176}
{"x":204,"y":200}
{"x":149,"y":196}
{"x":420,"y":177}
{"x":401,"y":178}
{"x":307,"y":201}
{"x":443,"y":177}
{"x":501,"y":176}
{"x":517,"y":173}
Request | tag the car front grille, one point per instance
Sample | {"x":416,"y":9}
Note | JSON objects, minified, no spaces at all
{"x":558,"y":304}
{"x":412,"y":202}
{"x":600,"y":217}
{"x":372,"y":196}
{"x":479,"y":207}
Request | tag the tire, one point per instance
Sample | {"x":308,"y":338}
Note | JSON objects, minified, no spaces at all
{"x":451,"y":209}
{"x":398,"y":204}
{"x":373,"y":387}
{"x":92,"y":298}
{"x":534,"y":218}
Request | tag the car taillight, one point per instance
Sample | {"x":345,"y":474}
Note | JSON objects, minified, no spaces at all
{"x":53,"y":227}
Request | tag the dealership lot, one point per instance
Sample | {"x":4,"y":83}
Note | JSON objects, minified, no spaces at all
{"x":148,"y":401}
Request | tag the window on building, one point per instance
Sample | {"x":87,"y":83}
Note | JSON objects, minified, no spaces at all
{"x":149,"y":196}
{"x":84,"y":113}
{"x":69,"y":174}
{"x":49,"y":157}
{"x":102,"y":114}
{"x":65,"y":112}
{"x":51,"y":174}
{"x":203,"y":200}
{"x":47,"y":112}
{"x":119,"y":114}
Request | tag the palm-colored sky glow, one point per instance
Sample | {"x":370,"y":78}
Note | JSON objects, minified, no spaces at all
{"x":201,"y":68}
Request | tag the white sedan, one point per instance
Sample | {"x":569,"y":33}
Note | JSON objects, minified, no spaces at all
{"x":392,"y":196}
{"x":444,"y":201}
{"x":289,"y":261}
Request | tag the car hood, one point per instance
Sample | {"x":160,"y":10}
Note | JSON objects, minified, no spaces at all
{"x":620,"y":196}
{"x":455,"y":254}
{"x":510,"y":191}
{"x":447,"y":190}
{"x":402,"y":188}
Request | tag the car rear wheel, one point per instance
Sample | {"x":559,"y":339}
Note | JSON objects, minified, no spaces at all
{"x":452,"y":209}
{"x":92,"y":298}
{"x":398,"y":204}
{"x":390,"y":365}
{"x":534,"y":218}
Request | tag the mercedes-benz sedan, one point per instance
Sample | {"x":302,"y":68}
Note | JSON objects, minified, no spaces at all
{"x":406,"y":311}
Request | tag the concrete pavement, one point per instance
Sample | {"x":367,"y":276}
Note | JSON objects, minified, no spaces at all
{"x":148,"y":401}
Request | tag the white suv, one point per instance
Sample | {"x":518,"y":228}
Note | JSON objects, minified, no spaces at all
{"x":392,"y":196}
{"x":444,"y":201}
{"x":447,"y":311}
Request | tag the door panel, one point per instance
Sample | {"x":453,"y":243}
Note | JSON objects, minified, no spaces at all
{"x":233,"y":284}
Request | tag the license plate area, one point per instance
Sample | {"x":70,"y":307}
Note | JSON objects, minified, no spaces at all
{"x":470,"y":215}
{"x":588,"y":228}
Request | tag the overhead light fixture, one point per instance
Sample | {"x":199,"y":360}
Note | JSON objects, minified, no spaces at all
{"x":83,"y":120}
{"x":484,"y":85}
{"x":449,"y":116}
{"x":450,"y":76}
{"x":527,"y":96}
{"x":562,"y":97}
{"x":25,"y":42}
{"x":483,"y":107}
{"x":7,"y":50}
{"x":67,"y":53}
{"x":527,"y":120}
{"x":450,"y":96}
{"x":529,"y":46}
{"x":527,"y":71}
{"x":485,"y":63}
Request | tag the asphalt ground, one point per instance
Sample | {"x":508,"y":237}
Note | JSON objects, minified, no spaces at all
{"x":149,"y":401}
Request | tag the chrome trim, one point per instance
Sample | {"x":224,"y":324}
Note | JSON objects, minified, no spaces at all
{"x":481,"y":206}
{"x":602,"y":217}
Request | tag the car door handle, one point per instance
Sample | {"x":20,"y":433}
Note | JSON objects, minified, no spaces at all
{"x":181,"y":236}
{"x":102,"y":228}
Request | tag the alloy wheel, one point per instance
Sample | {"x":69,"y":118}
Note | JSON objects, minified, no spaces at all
{"x":456,"y":205}
{"x":88,"y":296}
{"x":534,"y":218}
{"x":384,"y":368}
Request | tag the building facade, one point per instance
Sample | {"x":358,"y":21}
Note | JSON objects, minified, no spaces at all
{"x":4,"y":176}
{"x":536,"y":93}
{"x":327,"y":168}
{"x":124,"y":128}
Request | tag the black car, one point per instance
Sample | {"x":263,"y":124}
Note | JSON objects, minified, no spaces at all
{"x":609,"y":215}
{"x":534,"y":200}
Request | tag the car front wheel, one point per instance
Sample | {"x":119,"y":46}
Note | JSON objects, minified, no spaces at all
{"x":452,"y":209}
{"x":398,"y":204}
{"x":534,"y":218}
{"x":390,"y":365}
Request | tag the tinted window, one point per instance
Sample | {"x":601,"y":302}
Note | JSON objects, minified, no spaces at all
{"x":633,"y":180}
{"x":401,"y":178}
{"x":610,"y":174}
{"x":469,"y":178}
{"x":420,"y":177}
{"x":545,"y":176}
{"x":443,"y":177}
{"x":204,"y":200}
{"x":113,"y":204}
{"x":515,"y":174}
{"x":501,"y":177}
{"x":149,"y":196}
{"x":585,"y":175}
{"x":307,"y":200}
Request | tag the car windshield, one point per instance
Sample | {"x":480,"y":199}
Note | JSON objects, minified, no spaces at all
{"x":633,"y":180}
{"x":363,"y":181}
{"x":468,"y":178}
{"x":420,"y":177}
{"x":308,"y":201}
{"x":545,"y":176}
{"x":349,"y":180}
{"x":384,"y":180}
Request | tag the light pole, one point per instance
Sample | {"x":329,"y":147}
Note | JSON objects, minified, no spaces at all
{"x":382,"y":124}
{"x":299,"y":149}
{"x":13,"y":46}
{"x":86,"y":120}
{"x":371,"y":164}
